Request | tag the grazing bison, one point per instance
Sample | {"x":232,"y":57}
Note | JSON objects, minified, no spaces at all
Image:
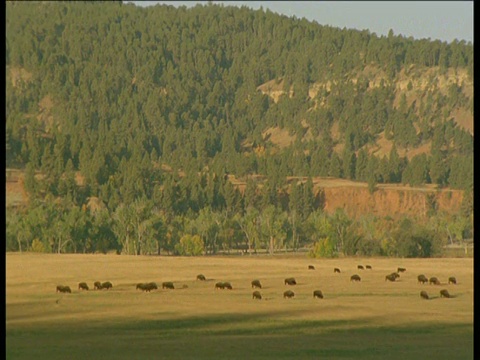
{"x":424,"y":295}
{"x":318,"y":294}
{"x":395,"y":274}
{"x":82,"y":286}
{"x":444,"y":293}
{"x":390,"y":277}
{"x":355,"y":278}
{"x":336,"y":270}
{"x":422,"y":279}
{"x":257,"y":295}
{"x":107,"y":285}
{"x":64,"y":289}
{"x":219,"y":285}
{"x":167,"y":285}
{"x":290,"y":281}
{"x":452,"y":280}
{"x":401,"y":269}
{"x":97,"y":285}
{"x":434,"y":280}
{"x":141,"y":286}
{"x":256,"y":284}
{"x":360,"y":267}
{"x":227,"y":285}
{"x":151,"y":286}
{"x":201,"y":277}
{"x":311,"y":267}
{"x":288,"y":294}
{"x":369,"y":267}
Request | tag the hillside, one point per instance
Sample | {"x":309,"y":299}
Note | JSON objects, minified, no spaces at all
{"x":168,"y":119}
{"x":422,"y":81}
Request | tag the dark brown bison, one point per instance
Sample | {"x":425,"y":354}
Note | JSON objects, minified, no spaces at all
{"x":257,"y":295}
{"x":107,"y":285}
{"x":318,"y":294}
{"x":424,"y":295}
{"x":369,"y":267}
{"x":97,"y":285}
{"x":141,"y":286}
{"x":355,"y":278}
{"x":256,"y":284}
{"x":227,"y":285}
{"x":167,"y":285}
{"x":360,"y":267}
{"x":336,"y":270}
{"x":434,"y":280}
{"x":151,"y":286}
{"x":390,"y":277}
{"x":219,"y":285}
{"x":63,"y":289}
{"x":444,"y":293}
{"x":201,"y":277}
{"x":288,"y":294}
{"x":422,"y":279}
{"x":311,"y":267}
{"x":290,"y":281}
{"x":401,"y":269}
{"x":395,"y":274}
{"x":452,"y":280}
{"x":82,"y":286}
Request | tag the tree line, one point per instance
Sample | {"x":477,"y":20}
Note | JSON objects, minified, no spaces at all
{"x":257,"y":220}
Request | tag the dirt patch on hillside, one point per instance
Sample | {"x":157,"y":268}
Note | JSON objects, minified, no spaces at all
{"x":274,"y":88}
{"x":383,"y":147}
{"x":19,"y":75}
{"x":463,"y":118}
{"x":279,"y":137}
{"x":389,"y":201}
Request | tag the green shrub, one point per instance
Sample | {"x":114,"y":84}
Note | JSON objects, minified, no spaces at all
{"x":190,"y":245}
{"x":323,"y":248}
{"x":37,"y":246}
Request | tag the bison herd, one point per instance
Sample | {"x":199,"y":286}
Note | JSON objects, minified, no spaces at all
{"x":361,"y":267}
{"x":256,"y":284}
{"x":97,"y":285}
{"x":147,"y":287}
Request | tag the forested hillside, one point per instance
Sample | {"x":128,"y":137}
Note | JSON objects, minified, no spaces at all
{"x":131,"y":124}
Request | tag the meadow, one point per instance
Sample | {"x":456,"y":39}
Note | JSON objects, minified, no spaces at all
{"x":370,"y":319}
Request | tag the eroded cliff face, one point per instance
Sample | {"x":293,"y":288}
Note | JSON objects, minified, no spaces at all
{"x":357,"y":201}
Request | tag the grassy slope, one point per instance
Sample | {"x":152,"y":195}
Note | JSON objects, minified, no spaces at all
{"x":371,"y":319}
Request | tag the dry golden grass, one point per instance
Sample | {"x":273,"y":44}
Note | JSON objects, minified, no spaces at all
{"x":200,"y":316}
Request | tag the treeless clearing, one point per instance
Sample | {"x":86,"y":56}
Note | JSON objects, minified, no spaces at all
{"x":367,"y":319}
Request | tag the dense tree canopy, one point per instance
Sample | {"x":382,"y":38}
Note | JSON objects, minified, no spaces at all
{"x":155,"y":108}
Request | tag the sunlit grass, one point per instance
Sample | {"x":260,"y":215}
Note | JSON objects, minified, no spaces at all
{"x":370,"y":319}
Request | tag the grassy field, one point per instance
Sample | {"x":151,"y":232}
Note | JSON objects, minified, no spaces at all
{"x":372,"y":319}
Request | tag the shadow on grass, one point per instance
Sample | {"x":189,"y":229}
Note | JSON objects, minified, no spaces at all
{"x":240,"y":336}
